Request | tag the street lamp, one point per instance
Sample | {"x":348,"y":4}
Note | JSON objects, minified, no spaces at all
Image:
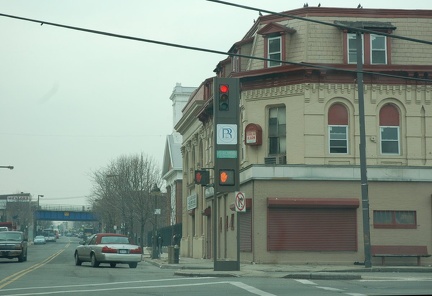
{"x":155,"y":190}
{"x":36,"y":228}
{"x":7,"y":167}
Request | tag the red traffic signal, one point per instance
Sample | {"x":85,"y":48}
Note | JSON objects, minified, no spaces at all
{"x":223,"y":97}
{"x":223,"y":88}
{"x":226,"y":177}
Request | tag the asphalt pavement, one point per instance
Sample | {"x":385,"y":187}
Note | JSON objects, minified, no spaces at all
{"x":205,"y":268}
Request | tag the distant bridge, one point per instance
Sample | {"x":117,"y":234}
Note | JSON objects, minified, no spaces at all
{"x":65,"y":213}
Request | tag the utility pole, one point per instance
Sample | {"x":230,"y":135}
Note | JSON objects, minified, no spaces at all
{"x":363,"y":170}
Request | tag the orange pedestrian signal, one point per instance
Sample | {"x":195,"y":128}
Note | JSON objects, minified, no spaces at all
{"x":202,"y":177}
{"x":226,"y":177}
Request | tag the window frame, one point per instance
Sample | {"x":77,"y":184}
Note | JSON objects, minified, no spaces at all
{"x":330,"y":139}
{"x":372,"y":49}
{"x":394,"y":224}
{"x":348,"y":48}
{"x":278,"y":137}
{"x":389,"y":140}
{"x":367,"y":49}
{"x":269,"y":53}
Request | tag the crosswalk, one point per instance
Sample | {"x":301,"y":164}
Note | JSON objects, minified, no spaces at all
{"x":327,"y":285}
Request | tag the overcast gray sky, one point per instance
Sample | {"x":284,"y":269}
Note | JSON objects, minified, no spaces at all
{"x":70,"y":101}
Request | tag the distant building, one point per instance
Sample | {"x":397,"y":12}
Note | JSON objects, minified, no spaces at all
{"x":300,"y":128}
{"x":172,"y":171}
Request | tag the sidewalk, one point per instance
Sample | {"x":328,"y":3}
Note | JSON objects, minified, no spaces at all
{"x":204,"y":268}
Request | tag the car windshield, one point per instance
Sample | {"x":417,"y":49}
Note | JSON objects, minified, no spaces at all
{"x":7,"y":235}
{"x":114,"y":240}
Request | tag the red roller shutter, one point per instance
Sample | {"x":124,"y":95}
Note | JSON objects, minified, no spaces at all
{"x":312,"y":229}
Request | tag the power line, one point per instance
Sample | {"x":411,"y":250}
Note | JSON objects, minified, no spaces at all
{"x":301,"y":64}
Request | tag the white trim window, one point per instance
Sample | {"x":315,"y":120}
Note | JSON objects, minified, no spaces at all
{"x":274,"y":50}
{"x":390,"y":140}
{"x":352,"y":48}
{"x":236,"y":64}
{"x":338,"y":139}
{"x":277,"y":131}
{"x":378,"y":47}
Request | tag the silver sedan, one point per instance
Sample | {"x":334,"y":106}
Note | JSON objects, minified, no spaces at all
{"x":108,"y":248}
{"x":40,"y":239}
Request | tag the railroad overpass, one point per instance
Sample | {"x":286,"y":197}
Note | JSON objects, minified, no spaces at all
{"x":64,"y":213}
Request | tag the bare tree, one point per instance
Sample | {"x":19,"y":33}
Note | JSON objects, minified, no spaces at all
{"x":122,"y":193}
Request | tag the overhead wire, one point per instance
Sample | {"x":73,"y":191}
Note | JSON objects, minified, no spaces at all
{"x":176,"y":45}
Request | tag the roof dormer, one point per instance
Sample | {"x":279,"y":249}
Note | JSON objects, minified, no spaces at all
{"x":275,"y":29}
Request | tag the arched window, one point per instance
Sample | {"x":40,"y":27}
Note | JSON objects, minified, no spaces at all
{"x":389,"y":129}
{"x":338,"y":129}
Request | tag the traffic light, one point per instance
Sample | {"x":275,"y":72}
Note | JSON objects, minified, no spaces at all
{"x":226,"y":97}
{"x":202,"y":177}
{"x":226,"y":177}
{"x":226,"y":131}
{"x":223,"y":97}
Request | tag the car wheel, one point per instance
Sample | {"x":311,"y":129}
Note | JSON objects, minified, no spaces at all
{"x":21,"y":258}
{"x":78,"y":262}
{"x":133,"y":265}
{"x":94,"y":261}
{"x":113,"y":265}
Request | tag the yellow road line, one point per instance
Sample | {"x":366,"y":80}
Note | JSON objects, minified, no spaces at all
{"x":12,"y":278}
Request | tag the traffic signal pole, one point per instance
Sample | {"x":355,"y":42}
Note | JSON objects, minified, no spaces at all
{"x":226,"y":130}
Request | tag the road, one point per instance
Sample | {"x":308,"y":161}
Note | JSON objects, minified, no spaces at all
{"x":50,"y":270}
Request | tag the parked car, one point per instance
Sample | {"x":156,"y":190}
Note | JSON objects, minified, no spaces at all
{"x":108,"y":248}
{"x":39,"y":240}
{"x":3,"y":228}
{"x":13,"y":244}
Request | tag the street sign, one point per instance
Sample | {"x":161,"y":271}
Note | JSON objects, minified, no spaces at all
{"x":226,"y":134}
{"x":240,"y":202}
{"x":226,"y":154}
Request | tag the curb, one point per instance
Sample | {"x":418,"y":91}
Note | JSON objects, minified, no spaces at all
{"x":323,"y":276}
{"x":197,"y":270}
{"x":203,"y":274}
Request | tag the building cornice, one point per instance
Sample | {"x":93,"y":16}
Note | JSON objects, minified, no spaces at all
{"x":190,"y":117}
{"x":334,"y":173}
{"x":308,"y":12}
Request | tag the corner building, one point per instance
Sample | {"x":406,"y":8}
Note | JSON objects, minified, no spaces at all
{"x":300,"y":159}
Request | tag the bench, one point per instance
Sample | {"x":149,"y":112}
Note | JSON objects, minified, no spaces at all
{"x":399,"y":251}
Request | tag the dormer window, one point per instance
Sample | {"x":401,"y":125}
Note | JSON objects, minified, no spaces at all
{"x":352,"y":48}
{"x":274,"y":49}
{"x":275,"y":39}
{"x":376,"y":48}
